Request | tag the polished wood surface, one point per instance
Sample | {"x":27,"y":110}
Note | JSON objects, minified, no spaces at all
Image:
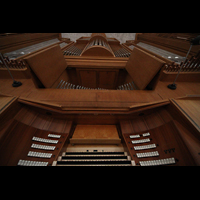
{"x":168,"y":144}
{"x":98,"y":98}
{"x":142,"y":67}
{"x":189,"y":107}
{"x":46,"y":122}
{"x":147,"y":121}
{"x":95,"y":131}
{"x":17,"y":144}
{"x":95,"y":134}
{"x":48,"y":65}
{"x":47,"y":110}
{"x":98,"y":78}
{"x":5,"y":101}
{"x":192,"y":143}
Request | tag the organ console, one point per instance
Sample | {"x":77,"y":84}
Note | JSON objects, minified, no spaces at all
{"x":149,"y":148}
{"x":97,"y":82}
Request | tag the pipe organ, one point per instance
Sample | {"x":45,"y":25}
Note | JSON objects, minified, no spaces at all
{"x":65,"y":85}
{"x":127,"y":86}
{"x":122,"y":53}
{"x":85,"y":103}
{"x":72,"y":51}
{"x":97,"y":45}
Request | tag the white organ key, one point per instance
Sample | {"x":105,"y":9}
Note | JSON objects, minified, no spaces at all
{"x":143,"y":147}
{"x":147,"y":154}
{"x":140,"y":141}
{"x":134,"y":136}
{"x":165,"y":161}
{"x":146,"y":134}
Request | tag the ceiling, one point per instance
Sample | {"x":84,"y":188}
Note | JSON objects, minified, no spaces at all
{"x":122,"y":37}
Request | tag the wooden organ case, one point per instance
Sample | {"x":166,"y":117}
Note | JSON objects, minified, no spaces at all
{"x":100,"y":62}
{"x":98,"y":45}
{"x":97,"y":86}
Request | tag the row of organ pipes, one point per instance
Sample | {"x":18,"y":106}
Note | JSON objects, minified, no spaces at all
{"x":99,"y":42}
{"x":12,"y":64}
{"x":122,"y":53}
{"x":65,"y":85}
{"x":127,"y":86}
{"x":73,"y":51}
{"x":189,"y":65}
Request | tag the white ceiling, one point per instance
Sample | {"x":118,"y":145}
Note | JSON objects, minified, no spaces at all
{"x":122,"y":37}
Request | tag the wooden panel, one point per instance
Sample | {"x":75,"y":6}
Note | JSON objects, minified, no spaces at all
{"x":166,"y":117}
{"x":63,"y":95}
{"x":5,"y":102}
{"x":48,"y":65}
{"x":153,"y":120}
{"x":192,"y":143}
{"x":142,"y":67}
{"x":97,"y":51}
{"x":95,"y":134}
{"x":190,"y":109}
{"x":88,"y":78}
{"x":126,"y":126}
{"x":31,"y":117}
{"x":133,"y":126}
{"x":107,"y":79}
{"x":139,"y":124}
{"x":11,"y":146}
{"x":98,"y":62}
{"x":156,"y":117}
{"x":137,"y":96}
{"x":94,"y":78}
{"x":96,"y":131}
